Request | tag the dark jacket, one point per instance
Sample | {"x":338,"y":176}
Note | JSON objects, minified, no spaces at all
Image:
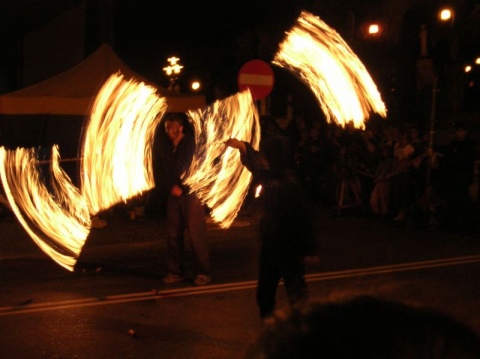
{"x":286,"y":219}
{"x":458,"y":163}
{"x":175,"y":162}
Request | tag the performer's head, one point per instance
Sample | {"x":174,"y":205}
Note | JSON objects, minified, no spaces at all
{"x":366,"y":327}
{"x":174,"y":126}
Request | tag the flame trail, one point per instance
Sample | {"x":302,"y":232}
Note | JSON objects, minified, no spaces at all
{"x":117,"y":146}
{"x":60,"y":215}
{"x":325,"y":63}
{"x":216,"y":173}
{"x":117,"y":164}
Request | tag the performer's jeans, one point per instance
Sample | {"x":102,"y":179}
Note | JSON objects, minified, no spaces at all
{"x":187,"y":213}
{"x":272,"y":269}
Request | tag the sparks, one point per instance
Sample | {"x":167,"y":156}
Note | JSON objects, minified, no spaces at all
{"x":216,"y":173}
{"x":324,"y":62}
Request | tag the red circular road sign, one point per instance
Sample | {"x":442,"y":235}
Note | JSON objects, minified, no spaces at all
{"x":257,"y":75}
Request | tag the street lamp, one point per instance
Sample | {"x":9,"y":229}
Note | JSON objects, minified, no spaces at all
{"x":373,"y":30}
{"x":173,"y":71}
{"x":451,"y":66}
{"x":446,"y":15}
{"x":195,"y":85}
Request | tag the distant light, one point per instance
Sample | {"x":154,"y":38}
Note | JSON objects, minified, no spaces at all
{"x":477,"y":60}
{"x":373,"y":29}
{"x":468,"y":68}
{"x":445,"y":14}
{"x":195,"y":85}
{"x":258,"y":191}
{"x":174,"y":67}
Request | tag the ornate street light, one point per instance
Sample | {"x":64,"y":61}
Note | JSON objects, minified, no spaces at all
{"x":173,"y":71}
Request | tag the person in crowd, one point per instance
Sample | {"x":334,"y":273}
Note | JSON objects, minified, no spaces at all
{"x":367,"y":158}
{"x":312,"y":159}
{"x":297,"y":131}
{"x":349,"y":185}
{"x":380,"y":194}
{"x":422,"y":200}
{"x":402,"y":180}
{"x":416,"y":140}
{"x":286,"y":222}
{"x":419,"y":166}
{"x":366,"y":327}
{"x":390,"y":135}
{"x":457,"y":170}
{"x":186,"y":214}
{"x":332,"y":151}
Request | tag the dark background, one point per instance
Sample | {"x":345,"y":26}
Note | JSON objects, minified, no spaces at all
{"x":214,"y":38}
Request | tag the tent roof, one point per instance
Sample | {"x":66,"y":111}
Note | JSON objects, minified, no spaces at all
{"x":71,"y":92}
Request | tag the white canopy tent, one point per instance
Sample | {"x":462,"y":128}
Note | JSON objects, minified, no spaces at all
{"x":71,"y":92}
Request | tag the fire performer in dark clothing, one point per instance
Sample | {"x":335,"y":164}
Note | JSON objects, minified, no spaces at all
{"x":286,"y":225}
{"x":185,"y":212}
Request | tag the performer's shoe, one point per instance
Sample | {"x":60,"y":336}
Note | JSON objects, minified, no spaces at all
{"x":171,"y":278}
{"x":202,"y":279}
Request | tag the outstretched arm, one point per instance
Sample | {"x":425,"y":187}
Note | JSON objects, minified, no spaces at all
{"x":251,"y":158}
{"x":234,"y":143}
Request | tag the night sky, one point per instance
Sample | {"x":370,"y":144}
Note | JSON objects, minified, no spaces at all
{"x":214,"y":38}
{"x":207,"y":35}
{"x":204,"y":34}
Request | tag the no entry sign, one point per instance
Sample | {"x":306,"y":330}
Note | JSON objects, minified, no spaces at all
{"x":257,"y":75}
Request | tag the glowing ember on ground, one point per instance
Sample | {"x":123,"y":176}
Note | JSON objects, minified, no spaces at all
{"x":216,"y":174}
{"x":325,"y":63}
{"x":117,"y":146}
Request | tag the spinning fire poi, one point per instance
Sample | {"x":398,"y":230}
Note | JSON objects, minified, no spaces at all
{"x":322,"y":60}
{"x":116,"y":153}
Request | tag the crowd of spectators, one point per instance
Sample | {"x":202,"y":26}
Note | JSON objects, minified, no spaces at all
{"x":393,"y":172}
{"x":390,"y":171}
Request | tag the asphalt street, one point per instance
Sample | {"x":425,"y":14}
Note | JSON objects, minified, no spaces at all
{"x":114,"y":304}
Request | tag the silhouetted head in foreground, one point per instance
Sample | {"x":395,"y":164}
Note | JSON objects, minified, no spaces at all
{"x":367,"y":327}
